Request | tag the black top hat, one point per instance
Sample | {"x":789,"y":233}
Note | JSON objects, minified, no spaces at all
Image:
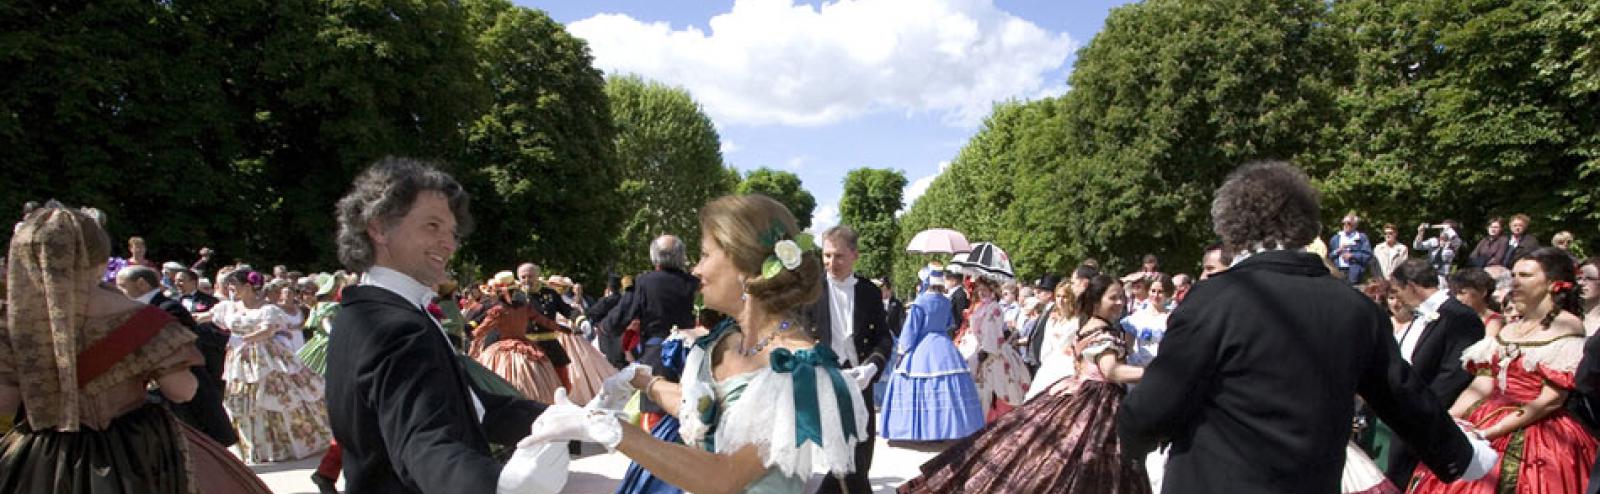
{"x":1049,"y":282}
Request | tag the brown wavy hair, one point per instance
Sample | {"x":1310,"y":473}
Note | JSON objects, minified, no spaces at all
{"x":737,"y":224}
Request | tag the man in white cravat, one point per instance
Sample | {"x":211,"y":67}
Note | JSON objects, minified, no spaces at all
{"x":403,"y":408}
{"x":1432,"y":344}
{"x":849,"y":318}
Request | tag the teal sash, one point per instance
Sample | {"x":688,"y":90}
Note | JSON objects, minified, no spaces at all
{"x":808,"y":414}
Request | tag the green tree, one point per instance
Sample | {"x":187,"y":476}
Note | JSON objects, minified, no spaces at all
{"x":785,"y":187}
{"x":671,"y":164}
{"x":1469,"y":110}
{"x":871,"y":199}
{"x":542,"y":164}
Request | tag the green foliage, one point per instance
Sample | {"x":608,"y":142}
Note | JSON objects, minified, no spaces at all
{"x":871,"y":199}
{"x":543,"y":162}
{"x":238,"y":124}
{"x":671,"y":164}
{"x":783,"y":187}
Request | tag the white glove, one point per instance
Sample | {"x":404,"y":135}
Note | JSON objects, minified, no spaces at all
{"x":1484,"y":457}
{"x":862,"y":374}
{"x":538,"y":468}
{"x":617,"y":389}
{"x":586,"y":329}
{"x":564,"y":421}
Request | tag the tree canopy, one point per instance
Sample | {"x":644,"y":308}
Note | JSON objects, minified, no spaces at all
{"x":671,"y":162}
{"x":871,"y":198}
{"x":784,"y":187}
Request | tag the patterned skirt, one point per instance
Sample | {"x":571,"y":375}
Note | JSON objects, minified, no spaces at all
{"x":143,"y":451}
{"x":1059,"y":442}
{"x":275,"y":402}
{"x":523,"y":365}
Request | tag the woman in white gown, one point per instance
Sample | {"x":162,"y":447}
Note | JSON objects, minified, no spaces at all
{"x":1057,"y":361}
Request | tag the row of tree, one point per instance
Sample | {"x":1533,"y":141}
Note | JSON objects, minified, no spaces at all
{"x":238,"y":124}
{"x":1405,"y":111}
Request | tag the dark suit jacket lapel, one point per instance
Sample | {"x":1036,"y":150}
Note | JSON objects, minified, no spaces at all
{"x":822,"y":315}
{"x":384,"y":296}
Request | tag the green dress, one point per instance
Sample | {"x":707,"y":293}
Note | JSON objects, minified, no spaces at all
{"x":315,"y":353}
{"x":800,"y":413}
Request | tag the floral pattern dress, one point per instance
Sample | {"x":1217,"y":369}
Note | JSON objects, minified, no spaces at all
{"x":1550,"y":455}
{"x":275,"y":401}
{"x":997,"y":368}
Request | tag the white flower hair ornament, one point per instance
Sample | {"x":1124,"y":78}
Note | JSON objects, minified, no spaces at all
{"x":787,"y":254}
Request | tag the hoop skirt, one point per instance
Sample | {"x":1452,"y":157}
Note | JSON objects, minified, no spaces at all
{"x":275,"y":402}
{"x":588,"y":370}
{"x":315,"y":353}
{"x":1552,"y":454}
{"x":1064,"y":440}
{"x":930,"y":394}
{"x":513,"y":357}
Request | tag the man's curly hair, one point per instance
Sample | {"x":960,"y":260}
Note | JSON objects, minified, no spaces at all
{"x":1266,"y":203}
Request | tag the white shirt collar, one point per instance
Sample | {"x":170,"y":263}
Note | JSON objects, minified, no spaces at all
{"x":848,"y":281}
{"x":400,"y":283}
{"x":1430,"y":306}
{"x":145,"y":299}
{"x":1257,"y":249}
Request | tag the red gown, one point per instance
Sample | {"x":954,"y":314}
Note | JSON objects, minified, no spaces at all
{"x":1551,"y":455}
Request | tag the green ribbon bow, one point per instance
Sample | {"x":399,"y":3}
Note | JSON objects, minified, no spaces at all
{"x":808,"y":415}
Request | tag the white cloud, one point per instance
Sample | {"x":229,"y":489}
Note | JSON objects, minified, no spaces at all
{"x":774,"y":62}
{"x":920,"y":186}
{"x":728,"y":147}
{"x":825,"y":216}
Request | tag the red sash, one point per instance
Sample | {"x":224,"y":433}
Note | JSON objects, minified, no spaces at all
{"x":138,"y":330}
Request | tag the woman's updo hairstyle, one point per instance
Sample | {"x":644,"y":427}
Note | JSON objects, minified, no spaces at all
{"x":246,"y":277}
{"x":1558,"y":268}
{"x":1088,"y":302}
{"x":738,"y":224}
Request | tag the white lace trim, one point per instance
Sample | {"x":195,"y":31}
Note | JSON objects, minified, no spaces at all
{"x":752,"y":421}
{"x":694,"y":388}
{"x":1561,"y":355}
{"x":1482,"y":352}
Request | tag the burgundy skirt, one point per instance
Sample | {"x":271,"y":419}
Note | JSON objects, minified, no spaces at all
{"x":1058,"y":442}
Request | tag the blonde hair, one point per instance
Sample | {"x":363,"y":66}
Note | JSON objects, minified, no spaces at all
{"x":738,"y":224}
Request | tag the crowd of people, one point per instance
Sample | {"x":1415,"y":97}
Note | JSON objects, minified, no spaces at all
{"x":1290,"y":363}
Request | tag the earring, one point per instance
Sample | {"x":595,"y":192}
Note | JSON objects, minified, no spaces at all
{"x":745,"y":289}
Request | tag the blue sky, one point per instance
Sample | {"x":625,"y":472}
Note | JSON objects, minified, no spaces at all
{"x":820,"y":88}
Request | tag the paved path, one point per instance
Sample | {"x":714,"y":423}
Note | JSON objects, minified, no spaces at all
{"x":597,"y":472}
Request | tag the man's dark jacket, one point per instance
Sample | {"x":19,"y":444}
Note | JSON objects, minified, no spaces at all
{"x":204,"y":411}
{"x":1437,"y":361}
{"x":399,"y":405}
{"x":1256,"y":379}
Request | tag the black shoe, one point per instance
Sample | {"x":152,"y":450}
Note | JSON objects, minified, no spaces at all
{"x":324,"y":484}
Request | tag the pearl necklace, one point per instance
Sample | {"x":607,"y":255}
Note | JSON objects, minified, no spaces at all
{"x":782,"y":328}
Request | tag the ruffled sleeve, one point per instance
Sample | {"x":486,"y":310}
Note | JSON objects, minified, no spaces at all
{"x":1102,"y":342}
{"x":1556,"y":362}
{"x":1479,"y":358}
{"x":802,"y":415}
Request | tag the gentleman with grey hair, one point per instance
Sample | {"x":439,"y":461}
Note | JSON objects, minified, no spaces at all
{"x":403,"y":409}
{"x":667,"y":251}
{"x":1254,"y":382}
{"x":661,"y":299}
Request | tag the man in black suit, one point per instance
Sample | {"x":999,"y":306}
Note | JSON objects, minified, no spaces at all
{"x":660,"y":300}
{"x":401,"y":405}
{"x":954,"y":284}
{"x":1432,"y":344}
{"x":894,"y":311}
{"x":1034,"y":334}
{"x":204,"y":411}
{"x":1584,"y":401}
{"x":1255,"y":380}
{"x":849,"y":319}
